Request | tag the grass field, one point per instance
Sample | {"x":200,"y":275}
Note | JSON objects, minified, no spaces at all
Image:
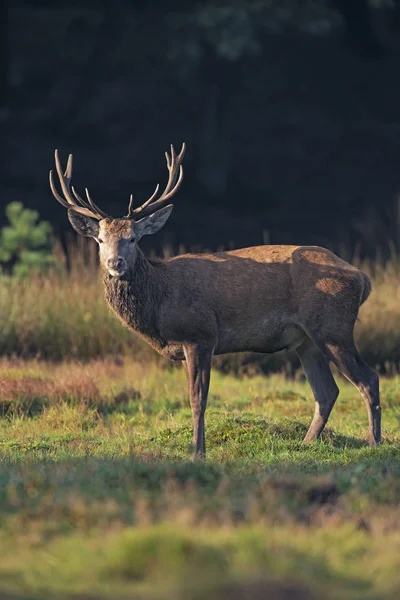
{"x":99,"y":497}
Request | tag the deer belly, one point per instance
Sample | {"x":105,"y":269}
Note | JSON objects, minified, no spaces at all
{"x":260,"y":339}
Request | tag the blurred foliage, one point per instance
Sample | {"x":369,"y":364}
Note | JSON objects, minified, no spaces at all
{"x":248,"y":101}
{"x":235,"y":29}
{"x":25,"y":244}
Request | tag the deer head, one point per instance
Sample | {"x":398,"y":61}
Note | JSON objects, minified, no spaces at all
{"x":118,"y":238}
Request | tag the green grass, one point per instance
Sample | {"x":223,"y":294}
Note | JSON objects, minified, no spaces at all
{"x":99,"y":497}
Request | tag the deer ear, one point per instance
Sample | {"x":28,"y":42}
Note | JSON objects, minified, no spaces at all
{"x":83,"y":225}
{"x":154,"y":222}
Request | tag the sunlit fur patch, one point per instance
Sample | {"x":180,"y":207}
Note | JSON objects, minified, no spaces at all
{"x":330,"y":286}
{"x":120,"y":227}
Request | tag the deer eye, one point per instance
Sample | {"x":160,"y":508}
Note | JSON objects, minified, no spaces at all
{"x":131,"y":241}
{"x":99,"y":240}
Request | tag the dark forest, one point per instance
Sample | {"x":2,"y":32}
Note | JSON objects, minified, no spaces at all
{"x":290,"y":111}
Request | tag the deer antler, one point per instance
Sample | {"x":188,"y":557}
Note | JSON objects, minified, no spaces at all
{"x":174,"y":181}
{"x":73,"y":202}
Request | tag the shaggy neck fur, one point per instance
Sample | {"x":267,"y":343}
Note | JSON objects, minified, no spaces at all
{"x":137,"y":298}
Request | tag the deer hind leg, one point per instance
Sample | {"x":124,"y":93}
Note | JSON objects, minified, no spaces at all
{"x":198,"y":366}
{"x":319,"y":376}
{"x":345,"y":356}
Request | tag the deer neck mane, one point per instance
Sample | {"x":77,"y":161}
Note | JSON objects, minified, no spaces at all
{"x":137,"y":297}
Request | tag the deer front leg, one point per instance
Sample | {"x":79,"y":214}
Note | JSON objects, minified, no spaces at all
{"x":198,"y":367}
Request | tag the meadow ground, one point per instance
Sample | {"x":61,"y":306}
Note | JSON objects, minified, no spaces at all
{"x":99,"y":497}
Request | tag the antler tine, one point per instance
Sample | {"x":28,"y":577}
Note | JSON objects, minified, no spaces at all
{"x":176,"y":185}
{"x":170,"y":161}
{"x":89,"y":210}
{"x":56,"y":195}
{"x":94,"y":206}
{"x":172,"y":166}
{"x":68,"y":170}
{"x":79,"y":198}
{"x":177,"y":162}
{"x":175,"y":170}
{"x":139,"y":210}
{"x":130,"y":206}
{"x":65,"y":204}
{"x":64,"y":179}
{"x":182,"y":152}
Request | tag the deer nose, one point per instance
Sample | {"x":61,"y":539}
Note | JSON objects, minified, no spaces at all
{"x":115,"y":263}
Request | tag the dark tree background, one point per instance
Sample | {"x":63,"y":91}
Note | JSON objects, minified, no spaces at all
{"x":290,"y":110}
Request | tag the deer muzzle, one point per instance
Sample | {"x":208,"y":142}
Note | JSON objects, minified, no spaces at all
{"x":116,"y":266}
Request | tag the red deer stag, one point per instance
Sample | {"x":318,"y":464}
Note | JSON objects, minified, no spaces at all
{"x":260,"y":299}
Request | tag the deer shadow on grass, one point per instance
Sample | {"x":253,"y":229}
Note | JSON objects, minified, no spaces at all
{"x":248,"y":428}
